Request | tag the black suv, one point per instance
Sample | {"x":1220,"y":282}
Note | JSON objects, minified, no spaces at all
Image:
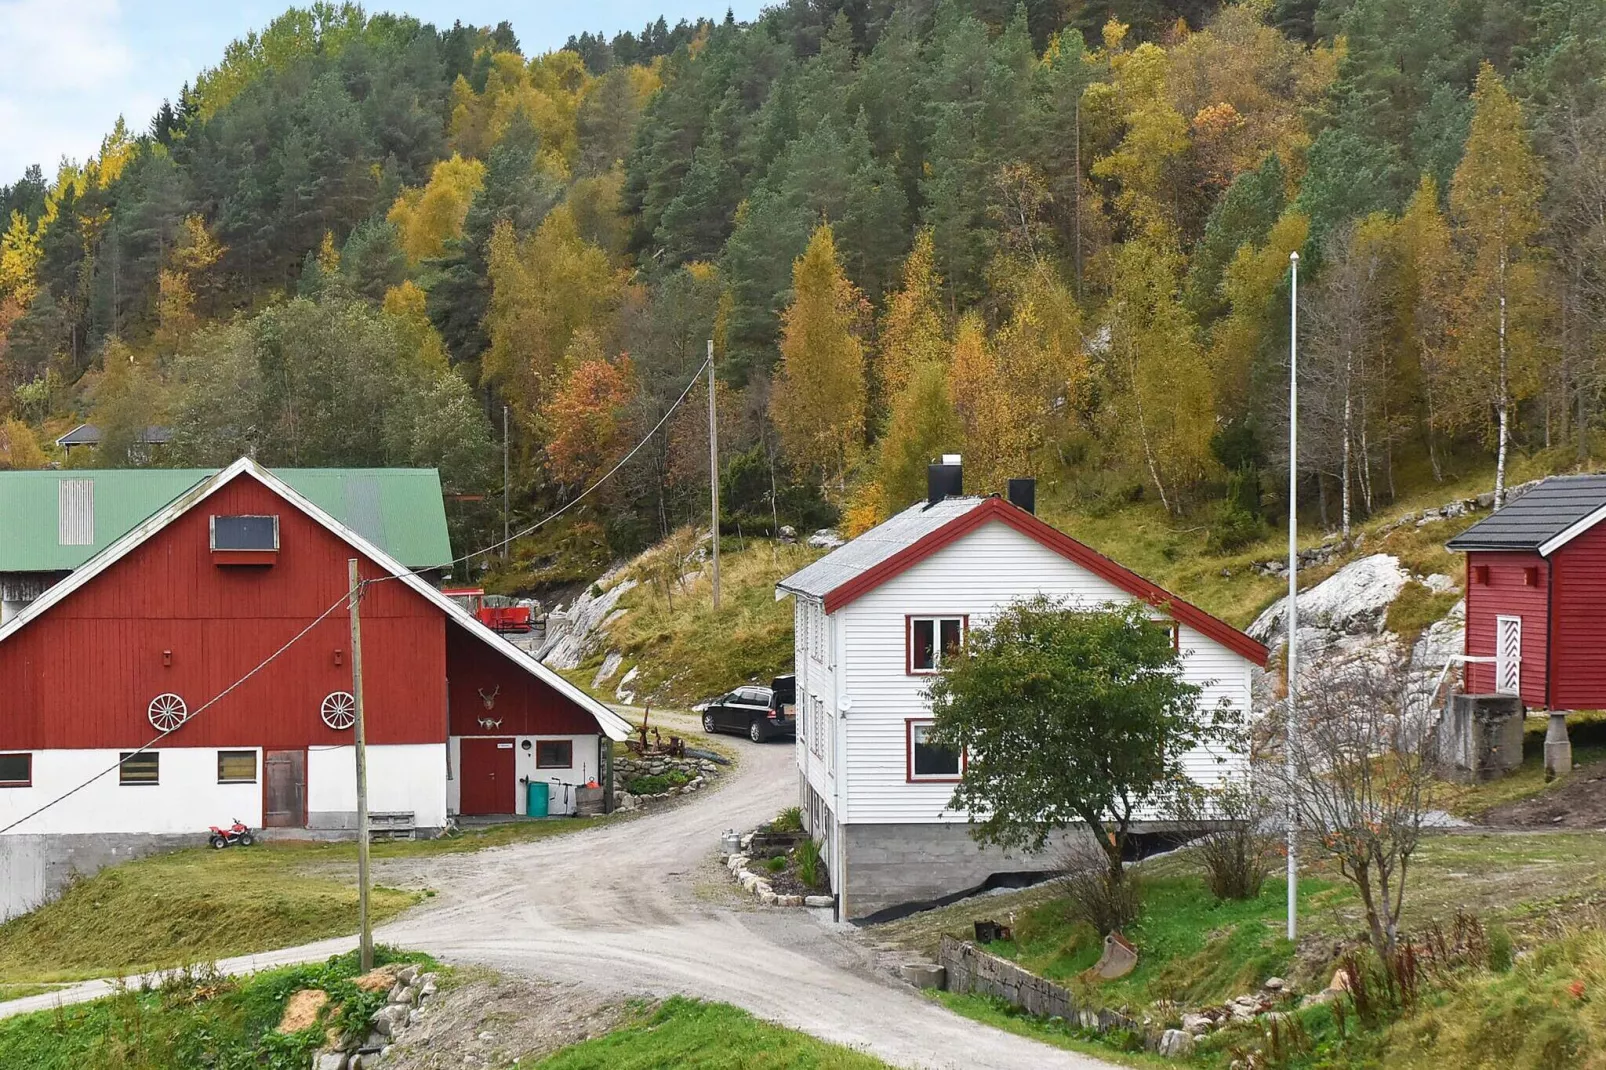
{"x":759,"y":713}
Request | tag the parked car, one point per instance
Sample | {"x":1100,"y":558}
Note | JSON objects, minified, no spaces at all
{"x":759,"y":713}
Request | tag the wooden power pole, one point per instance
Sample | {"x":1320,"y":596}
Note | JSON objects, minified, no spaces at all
{"x":505,"y":549}
{"x":713,"y":468}
{"x":366,"y":940}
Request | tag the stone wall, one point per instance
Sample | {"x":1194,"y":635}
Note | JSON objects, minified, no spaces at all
{"x":972,"y":970}
{"x":627,"y":767}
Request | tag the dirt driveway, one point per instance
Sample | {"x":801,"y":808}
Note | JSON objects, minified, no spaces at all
{"x":643,"y":907}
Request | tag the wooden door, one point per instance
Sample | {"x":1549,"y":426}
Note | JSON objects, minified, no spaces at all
{"x":284,"y":789}
{"x":488,"y":784}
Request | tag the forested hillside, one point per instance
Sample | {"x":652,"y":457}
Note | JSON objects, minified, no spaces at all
{"x":1053,"y":236}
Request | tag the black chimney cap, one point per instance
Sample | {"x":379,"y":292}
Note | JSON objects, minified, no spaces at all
{"x":945,"y":480}
{"x":1023,"y":494}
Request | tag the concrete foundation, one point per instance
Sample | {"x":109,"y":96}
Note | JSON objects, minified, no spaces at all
{"x":1480,"y":737}
{"x":36,"y":869}
{"x":1558,"y":747}
{"x":893,"y":866}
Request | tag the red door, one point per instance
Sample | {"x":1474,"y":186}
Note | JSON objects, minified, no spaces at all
{"x":487,"y":785}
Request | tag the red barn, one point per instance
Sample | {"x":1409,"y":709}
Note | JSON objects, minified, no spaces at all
{"x":161,"y":630}
{"x":1535,"y":588}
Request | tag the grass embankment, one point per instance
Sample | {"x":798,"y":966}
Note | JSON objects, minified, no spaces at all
{"x":1195,"y":951}
{"x":683,"y":650}
{"x":193,"y":1020}
{"x":199,"y":905}
{"x":691,"y":1035}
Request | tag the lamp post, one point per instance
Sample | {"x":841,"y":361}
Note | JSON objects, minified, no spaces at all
{"x":1291,"y":731}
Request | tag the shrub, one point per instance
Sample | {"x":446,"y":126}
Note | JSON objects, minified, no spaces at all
{"x":1236,"y":839}
{"x":776,"y":864}
{"x":657,"y":783}
{"x":789,"y":820}
{"x":810,"y":868}
{"x":1106,"y":899}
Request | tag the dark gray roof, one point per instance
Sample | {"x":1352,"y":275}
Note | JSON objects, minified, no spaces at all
{"x":1541,"y":514}
{"x":89,"y":435}
{"x":875,"y":546}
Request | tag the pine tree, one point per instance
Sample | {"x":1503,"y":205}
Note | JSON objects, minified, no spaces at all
{"x":1495,"y":197}
{"x":819,"y":398}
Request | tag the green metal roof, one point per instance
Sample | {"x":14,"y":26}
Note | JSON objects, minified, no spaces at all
{"x":45,"y":527}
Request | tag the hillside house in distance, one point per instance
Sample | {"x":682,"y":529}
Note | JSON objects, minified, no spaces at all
{"x":873,"y":619}
{"x":152,"y":633}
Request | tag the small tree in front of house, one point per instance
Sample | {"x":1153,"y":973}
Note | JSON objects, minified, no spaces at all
{"x":1071,"y":717}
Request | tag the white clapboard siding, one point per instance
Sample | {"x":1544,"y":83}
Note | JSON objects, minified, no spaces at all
{"x":977,"y":574}
{"x":815,"y":680}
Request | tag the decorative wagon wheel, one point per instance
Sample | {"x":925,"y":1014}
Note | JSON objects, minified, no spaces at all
{"x":167,"y":711}
{"x":339,"y":710}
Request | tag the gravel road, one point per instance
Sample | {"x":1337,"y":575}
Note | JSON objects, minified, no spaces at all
{"x":643,"y":907}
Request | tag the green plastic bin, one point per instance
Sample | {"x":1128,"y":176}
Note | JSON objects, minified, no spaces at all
{"x":535,"y":801}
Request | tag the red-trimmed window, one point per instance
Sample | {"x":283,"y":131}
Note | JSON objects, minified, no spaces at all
{"x":927,"y":640}
{"x":928,"y":762}
{"x":16,"y":770}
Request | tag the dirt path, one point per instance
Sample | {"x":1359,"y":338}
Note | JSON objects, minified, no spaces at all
{"x":643,"y":907}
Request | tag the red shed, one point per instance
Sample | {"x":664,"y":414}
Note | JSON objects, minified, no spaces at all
{"x":159,"y":636}
{"x":1536,"y":591}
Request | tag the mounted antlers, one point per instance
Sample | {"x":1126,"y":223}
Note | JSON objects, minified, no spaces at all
{"x":490,"y":700}
{"x":487,"y":723}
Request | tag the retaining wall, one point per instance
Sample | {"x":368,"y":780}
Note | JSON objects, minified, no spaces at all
{"x":36,"y":869}
{"x":972,"y":970}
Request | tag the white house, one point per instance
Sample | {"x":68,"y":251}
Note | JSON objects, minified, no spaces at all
{"x":872,"y":620}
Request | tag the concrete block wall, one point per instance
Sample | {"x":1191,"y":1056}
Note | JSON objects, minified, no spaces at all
{"x":1480,"y":737}
{"x":36,"y":869}
{"x":898,"y":865}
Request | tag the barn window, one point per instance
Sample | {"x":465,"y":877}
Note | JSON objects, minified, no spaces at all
{"x":245,"y":533}
{"x":16,"y":770}
{"x":928,"y":761}
{"x":930,"y":639}
{"x":236,"y":767}
{"x":1480,"y":574}
{"x":141,"y":768}
{"x":554,"y":754}
{"x":1530,"y":576}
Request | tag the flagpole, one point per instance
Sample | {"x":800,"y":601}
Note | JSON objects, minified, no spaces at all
{"x":1293,"y":584}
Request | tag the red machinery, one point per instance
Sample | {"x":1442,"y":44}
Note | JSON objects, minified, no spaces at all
{"x":497,"y":612}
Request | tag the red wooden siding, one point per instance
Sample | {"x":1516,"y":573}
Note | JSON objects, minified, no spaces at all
{"x":1578,"y":616}
{"x":524,"y":705}
{"x":1509,"y":593}
{"x":83,"y":674}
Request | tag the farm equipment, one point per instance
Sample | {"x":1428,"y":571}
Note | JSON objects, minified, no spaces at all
{"x":497,"y":612}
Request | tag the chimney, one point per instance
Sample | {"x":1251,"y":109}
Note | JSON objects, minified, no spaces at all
{"x":945,"y":480}
{"x":1023,"y":494}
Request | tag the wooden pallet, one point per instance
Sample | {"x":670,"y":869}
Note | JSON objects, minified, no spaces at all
{"x":392,"y":826}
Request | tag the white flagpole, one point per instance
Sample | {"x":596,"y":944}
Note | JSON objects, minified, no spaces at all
{"x":1293,"y":580}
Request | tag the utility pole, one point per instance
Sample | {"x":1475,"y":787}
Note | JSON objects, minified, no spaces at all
{"x":713,"y":468}
{"x":366,"y":939}
{"x":1292,"y":732}
{"x":505,"y":549}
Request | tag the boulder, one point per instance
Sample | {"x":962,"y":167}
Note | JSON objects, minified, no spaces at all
{"x":407,"y":974}
{"x":610,"y":666}
{"x":1176,"y":1044}
{"x":825,"y":539}
{"x":1274,"y":984}
{"x":817,"y":901}
{"x":1352,"y":601}
{"x":573,"y":634}
{"x":1198,"y":1024}
{"x":329,"y":1060}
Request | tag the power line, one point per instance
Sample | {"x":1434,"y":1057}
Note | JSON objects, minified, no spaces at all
{"x":214,"y":700}
{"x":577,"y":499}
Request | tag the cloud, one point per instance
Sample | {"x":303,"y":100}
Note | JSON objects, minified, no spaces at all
{"x":64,"y":81}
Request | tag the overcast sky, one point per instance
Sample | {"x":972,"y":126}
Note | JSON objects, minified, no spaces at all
{"x":69,"y":68}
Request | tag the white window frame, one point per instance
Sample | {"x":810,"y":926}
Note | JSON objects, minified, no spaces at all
{"x":212,"y":531}
{"x":911,"y":725}
{"x":1504,"y":666}
{"x":936,"y":639}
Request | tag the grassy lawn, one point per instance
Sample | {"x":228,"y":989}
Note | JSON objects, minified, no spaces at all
{"x":690,"y":1035}
{"x":193,"y":1020}
{"x":199,"y":905}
